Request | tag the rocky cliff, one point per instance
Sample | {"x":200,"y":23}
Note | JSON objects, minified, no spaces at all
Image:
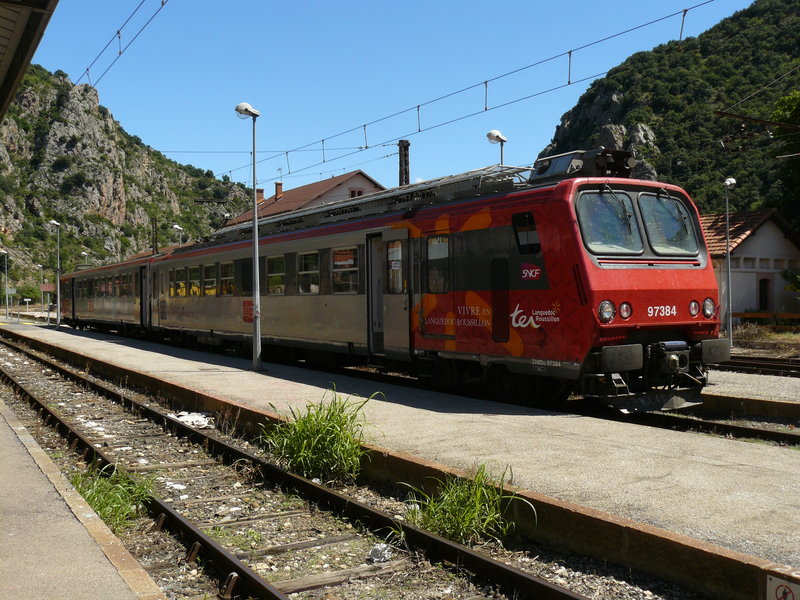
{"x":64,"y":157}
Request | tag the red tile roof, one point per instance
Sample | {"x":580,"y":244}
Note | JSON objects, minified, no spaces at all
{"x":298,"y":197}
{"x":743,"y":224}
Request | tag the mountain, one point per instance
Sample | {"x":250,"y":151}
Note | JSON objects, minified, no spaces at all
{"x":64,"y":157}
{"x":661,"y":106}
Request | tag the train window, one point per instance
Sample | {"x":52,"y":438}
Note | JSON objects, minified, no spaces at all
{"x":210,"y":280}
{"x":394,"y":267}
{"x":276,"y":275}
{"x":345,"y":270}
{"x":438,"y":264}
{"x":172,"y":286}
{"x":226,"y":279}
{"x":194,"y":281}
{"x":668,"y":225}
{"x":308,"y":273}
{"x":607,"y":223}
{"x":180,"y":283}
{"x":123,"y":285}
{"x":526,"y":233}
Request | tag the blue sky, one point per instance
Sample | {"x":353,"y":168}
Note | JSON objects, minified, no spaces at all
{"x":315,"y":69}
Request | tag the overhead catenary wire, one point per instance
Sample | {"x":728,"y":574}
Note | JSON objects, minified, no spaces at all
{"x":117,"y":35}
{"x":485,"y":108}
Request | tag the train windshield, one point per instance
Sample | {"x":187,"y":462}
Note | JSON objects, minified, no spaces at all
{"x":669,"y":227}
{"x":608,"y":224}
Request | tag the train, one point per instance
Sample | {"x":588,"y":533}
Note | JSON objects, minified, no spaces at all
{"x":564,"y":277}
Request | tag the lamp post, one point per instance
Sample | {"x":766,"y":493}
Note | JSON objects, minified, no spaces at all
{"x":243,"y":111}
{"x":495,"y":137}
{"x":4,"y":252}
{"x":41,"y":287}
{"x":179,"y":229}
{"x":729,"y":184}
{"x":58,"y":271}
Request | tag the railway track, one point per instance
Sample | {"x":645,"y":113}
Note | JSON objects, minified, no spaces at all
{"x":263,"y":532}
{"x":783,"y":367}
{"x":780,"y":434}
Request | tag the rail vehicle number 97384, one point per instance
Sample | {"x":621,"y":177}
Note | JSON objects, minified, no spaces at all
{"x":662,"y":311}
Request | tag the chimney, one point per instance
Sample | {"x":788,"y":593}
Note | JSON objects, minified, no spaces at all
{"x":278,"y":190}
{"x":404,"y":175}
{"x":259,"y":195}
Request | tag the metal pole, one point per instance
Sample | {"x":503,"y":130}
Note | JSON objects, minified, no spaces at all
{"x":41,"y":287}
{"x":728,"y":267}
{"x":58,"y":276}
{"x":5,"y":253}
{"x":256,"y":283}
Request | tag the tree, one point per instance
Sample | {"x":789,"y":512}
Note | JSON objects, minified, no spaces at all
{"x":787,"y":110}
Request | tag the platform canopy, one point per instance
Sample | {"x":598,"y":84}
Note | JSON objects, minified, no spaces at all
{"x":22,"y":24}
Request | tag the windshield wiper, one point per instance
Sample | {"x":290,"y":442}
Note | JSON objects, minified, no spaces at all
{"x":624,"y":208}
{"x":675,"y":204}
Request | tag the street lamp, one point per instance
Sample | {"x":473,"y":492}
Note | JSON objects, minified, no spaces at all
{"x":243,"y":111}
{"x":730,"y":183}
{"x":179,"y":229}
{"x":495,"y":137}
{"x":58,"y":271}
{"x":41,"y":287}
{"x":4,"y":252}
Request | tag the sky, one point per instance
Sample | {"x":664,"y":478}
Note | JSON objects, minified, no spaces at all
{"x":357,"y":74}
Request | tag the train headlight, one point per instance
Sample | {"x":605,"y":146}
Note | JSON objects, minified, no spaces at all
{"x":606,"y":311}
{"x":708,"y":308}
{"x":694,"y":308}
{"x":625,"y":310}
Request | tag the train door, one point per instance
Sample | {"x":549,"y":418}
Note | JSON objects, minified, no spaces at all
{"x":70,"y":312}
{"x":144,"y":298}
{"x":396,"y":300}
{"x":375,"y":308}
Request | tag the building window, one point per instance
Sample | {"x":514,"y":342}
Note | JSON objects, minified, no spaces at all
{"x":308,"y":273}
{"x":394,"y":267}
{"x":210,"y":280}
{"x":345,"y":270}
{"x":226,"y":279}
{"x":438,"y":264}
{"x":763,"y":294}
{"x":276,"y":275}
{"x":355,"y":192}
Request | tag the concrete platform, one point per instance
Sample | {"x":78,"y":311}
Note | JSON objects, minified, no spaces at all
{"x":739,"y":495}
{"x":52,"y":545}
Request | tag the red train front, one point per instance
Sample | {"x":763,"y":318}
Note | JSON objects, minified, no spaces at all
{"x":582,"y":280}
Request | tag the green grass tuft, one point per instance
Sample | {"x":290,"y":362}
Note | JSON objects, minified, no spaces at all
{"x":467,"y":511}
{"x":324,"y":441}
{"x":114,"y":496}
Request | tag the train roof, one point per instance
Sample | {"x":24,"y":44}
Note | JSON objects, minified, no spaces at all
{"x":496,"y":179}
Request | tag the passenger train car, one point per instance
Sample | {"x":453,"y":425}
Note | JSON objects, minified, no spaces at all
{"x":567,"y":276}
